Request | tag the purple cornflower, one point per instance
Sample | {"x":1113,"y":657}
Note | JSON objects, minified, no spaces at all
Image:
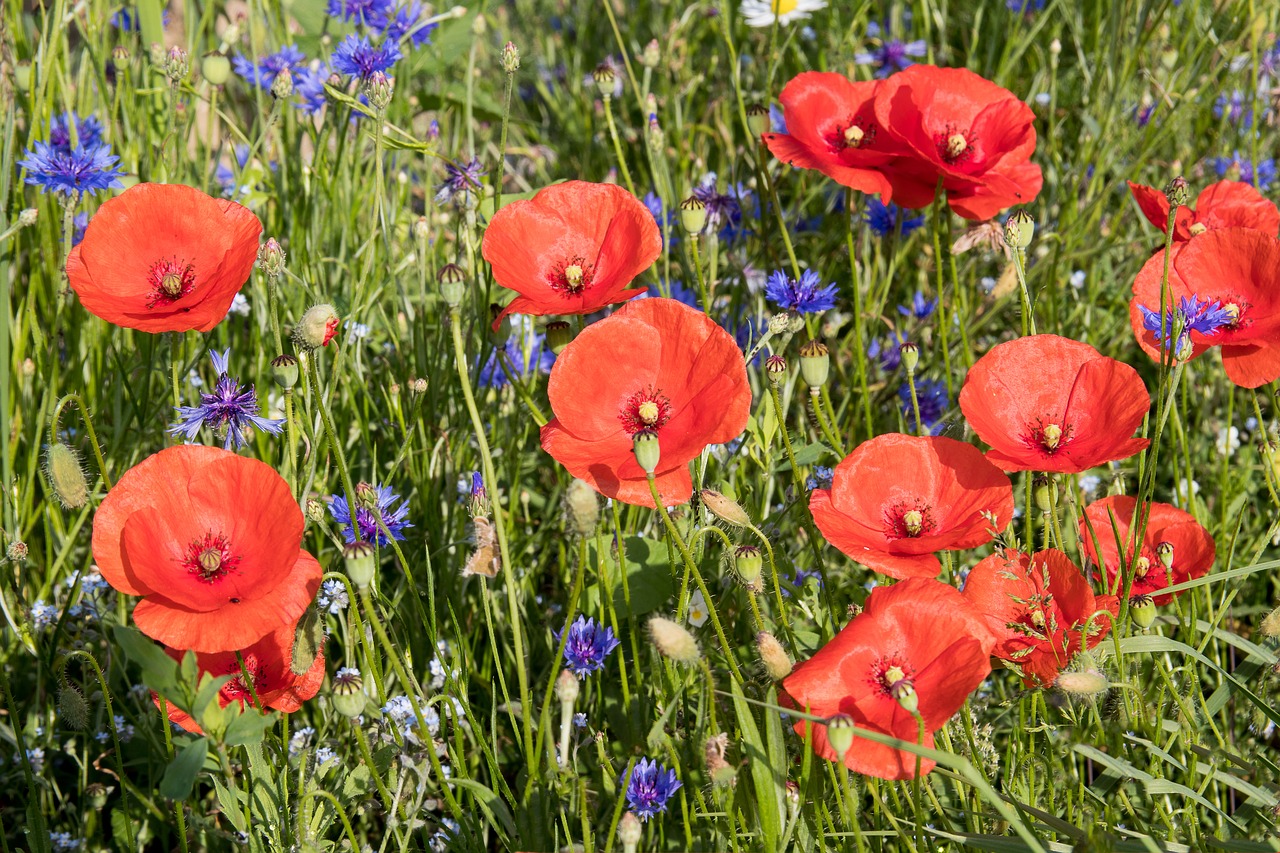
{"x":932,"y":396}
{"x":357,"y":57}
{"x":892,"y":54}
{"x":398,"y":22}
{"x":777,"y":119}
{"x":1233,"y":106}
{"x":654,"y":203}
{"x":884,"y":218}
{"x":88,"y":131}
{"x":1142,"y":115}
{"x":724,"y":210}
{"x":587,"y":646}
{"x":127,"y":19}
{"x":460,"y":181}
{"x":649,"y":786}
{"x":524,"y":353}
{"x":81,"y":170}
{"x":808,"y":295}
{"x":393,"y":518}
{"x":230,"y":411}
{"x":263,"y":74}
{"x":1024,"y":7}
{"x":803,"y":576}
{"x":78,"y":224}
{"x":920,"y":308}
{"x":308,"y":84}
{"x":1240,"y":168}
{"x":1191,"y":315}
{"x":359,"y":11}
{"x":888,"y":353}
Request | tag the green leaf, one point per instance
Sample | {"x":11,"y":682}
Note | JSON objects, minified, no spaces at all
{"x":768,"y":782}
{"x":307,"y":639}
{"x":813,"y":453}
{"x":120,"y":832}
{"x":248,"y":727}
{"x":232,"y":805}
{"x":159,"y":671}
{"x":180,"y":775}
{"x":496,"y":810}
{"x":649,"y":580}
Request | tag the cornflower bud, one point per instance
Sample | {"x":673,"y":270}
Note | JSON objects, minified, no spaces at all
{"x":651,"y":55}
{"x":271,"y":258}
{"x":16,"y":552}
{"x":630,"y":831}
{"x":673,"y":641}
{"x":176,"y":65}
{"x":510,"y":58}
{"x":366,"y":495}
{"x":421,"y":229}
{"x":647,"y":450}
{"x":567,"y":688}
{"x":418,"y":386}
{"x":776,"y":661}
{"x":1178,"y":192}
{"x":840,"y":733}
{"x":315,"y":511}
{"x":378,"y":89}
{"x":815,"y":363}
{"x":66,"y":476}
{"x":216,"y":68}
{"x":282,"y":85}
{"x":360,"y":563}
{"x":1019,"y":228}
{"x":693,"y":215}
{"x":780,"y":323}
{"x":318,"y":326}
{"x":725,"y":509}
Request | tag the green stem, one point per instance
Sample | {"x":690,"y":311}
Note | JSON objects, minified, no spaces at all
{"x":607,"y":97}
{"x":89,"y":430}
{"x":335,"y":445}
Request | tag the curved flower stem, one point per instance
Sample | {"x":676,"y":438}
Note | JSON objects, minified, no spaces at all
{"x":697,"y":576}
{"x":346,"y":823}
{"x":88,"y":426}
{"x":703,"y":293}
{"x":777,"y":586}
{"x":115,"y":736}
{"x":607,"y":98}
{"x":334,"y":444}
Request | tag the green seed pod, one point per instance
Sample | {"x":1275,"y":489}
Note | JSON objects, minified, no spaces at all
{"x":748,"y":562}
{"x":284,"y":370}
{"x":1045,"y":493}
{"x":559,"y":335}
{"x":647,"y":451}
{"x":348,"y":693}
{"x":815,"y":363}
{"x":360,"y":562}
{"x":66,"y":476}
{"x":216,"y":68}
{"x":452,"y":284}
{"x":693,"y":215}
{"x":910,"y":354}
{"x":840,"y":733}
{"x":1142,"y":610}
{"x":758,"y":119}
{"x":1164,"y":552}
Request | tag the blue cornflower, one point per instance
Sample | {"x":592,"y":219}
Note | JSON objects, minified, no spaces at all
{"x":226,"y":176}
{"x":43,"y":615}
{"x":81,"y":170}
{"x":263,"y":74}
{"x":920,"y":308}
{"x":892,"y":54}
{"x":932,"y":396}
{"x":1233,"y":106}
{"x":1142,"y":115}
{"x":649,"y":786}
{"x":1025,"y":7}
{"x":78,"y":225}
{"x":308,"y":84}
{"x":524,"y":353}
{"x":654,"y":203}
{"x":884,"y":218}
{"x":392,"y":517}
{"x":1192,"y":315}
{"x":357,"y":57}
{"x":819,"y":479}
{"x":777,"y":119}
{"x":460,"y":181}
{"x":808,"y":295}
{"x":230,"y":410}
{"x":88,"y":131}
{"x":333,"y":597}
{"x":801,"y":577}
{"x":888,"y":353}
{"x":587,"y":647}
{"x":127,"y":19}
{"x":1239,"y":168}
{"x":724,"y":210}
{"x":359,"y":11}
{"x":398,"y":22}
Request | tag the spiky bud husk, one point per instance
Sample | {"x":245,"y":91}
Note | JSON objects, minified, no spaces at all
{"x":776,"y":661}
{"x":673,"y":641}
{"x":726,"y":509}
{"x":66,"y":476}
{"x":73,"y":708}
{"x":582,"y":507}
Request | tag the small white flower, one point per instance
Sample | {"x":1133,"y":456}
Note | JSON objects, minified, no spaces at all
{"x":1043,"y":98}
{"x":1185,"y":491}
{"x":1077,"y":279}
{"x":239,"y":305}
{"x":698,"y":612}
{"x":1089,"y":483}
{"x":762,"y":13}
{"x":987,"y":284}
{"x":1228,"y":441}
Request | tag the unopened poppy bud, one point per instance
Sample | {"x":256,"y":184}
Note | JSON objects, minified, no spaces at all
{"x":96,"y":793}
{"x":1178,"y":192}
{"x":271,"y":258}
{"x":693,"y":215}
{"x":726,"y":509}
{"x":348,"y":692}
{"x":604,"y":78}
{"x":582,"y":507}
{"x":652,"y":54}
{"x":815,"y":363}
{"x":1019,"y":228}
{"x":559,"y":335}
{"x":66,"y":476}
{"x":379,"y":89}
{"x":1270,"y":626}
{"x":722,"y":773}
{"x":28,"y":217}
{"x":905,"y":692}
{"x":282,"y":85}
{"x":647,"y":450}
{"x":1164,"y":552}
{"x":777,"y":663}
{"x":73,"y":708}
{"x":1143,"y":611}
{"x":315,"y":511}
{"x":176,"y":65}
{"x":757,"y":119}
{"x":1088,"y":682}
{"x":510,"y":58}
{"x":360,"y":563}
{"x":673,"y":641}
{"x":451,"y":279}
{"x":16,"y":552}
{"x":748,"y":562}
{"x":840,"y":733}
{"x":1045,"y":492}
{"x":567,"y":688}
{"x":317,"y":327}
{"x":910,"y":355}
{"x":216,"y":68}
{"x":775,"y":367}
{"x":630,"y":831}
{"x":500,"y":328}
{"x":284,"y":370}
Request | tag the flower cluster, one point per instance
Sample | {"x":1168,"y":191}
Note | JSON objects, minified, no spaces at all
{"x":74,"y":161}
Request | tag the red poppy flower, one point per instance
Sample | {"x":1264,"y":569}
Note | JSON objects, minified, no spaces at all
{"x":1170,"y":532}
{"x":1047,"y":403}
{"x":164,"y":258}
{"x":655,"y":365}
{"x":269,"y":664}
{"x":1226,"y":204}
{"x":1239,"y":270}
{"x":918,"y":638}
{"x":832,"y":127}
{"x":1040,"y":609}
{"x":897,"y":499}
{"x":962,"y":129}
{"x":210,"y":541}
{"x":571,"y":249}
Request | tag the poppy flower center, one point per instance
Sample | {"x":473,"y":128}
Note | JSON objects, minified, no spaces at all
{"x":784,"y":7}
{"x":1198,"y":228}
{"x":1049,"y":437}
{"x":953,"y":146}
{"x":169,"y":280}
{"x":853,"y":136}
{"x":856,"y":132}
{"x":1143,"y":566}
{"x":909,"y":520}
{"x":645,"y":410}
{"x":572,"y":278}
{"x":210,"y":558}
{"x":892,"y":677}
{"x":237,"y":688}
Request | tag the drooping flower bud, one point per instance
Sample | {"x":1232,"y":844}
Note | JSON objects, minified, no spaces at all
{"x":840,"y":733}
{"x":216,"y":68}
{"x":282,"y":85}
{"x":815,"y":363}
{"x":317,"y":327}
{"x":775,"y":367}
{"x":284,"y":370}
{"x":73,"y":708}
{"x":1142,"y":609}
{"x":360,"y":563}
{"x":748,"y":562}
{"x":776,"y":661}
{"x":271,"y":258}
{"x":1019,"y":228}
{"x":66,"y":476}
{"x":758,"y":119}
{"x":1178,"y":192}
{"x":726,"y":509}
{"x":582,"y":507}
{"x":647,"y":450}
{"x":510,"y":58}
{"x":693,"y":215}
{"x":348,"y":692}
{"x":673,"y":641}
{"x":559,"y":335}
{"x":451,"y":278}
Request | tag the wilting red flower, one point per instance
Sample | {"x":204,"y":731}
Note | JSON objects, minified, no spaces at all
{"x":962,"y":129}
{"x":918,"y":640}
{"x":164,"y":258}
{"x":832,"y":127}
{"x":1226,"y":204}
{"x":897,"y":499}
{"x":1171,"y":535}
{"x":1040,"y":609}
{"x":1047,"y":403}
{"x":210,"y":540}
{"x":269,"y":664}
{"x":571,"y":249}
{"x":655,"y":365}
{"x":1236,"y":270}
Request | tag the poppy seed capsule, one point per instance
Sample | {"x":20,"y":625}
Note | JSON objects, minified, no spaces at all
{"x":673,"y":641}
{"x":567,"y":688}
{"x":604,"y":77}
{"x":348,"y":693}
{"x":647,"y":451}
{"x":1164,"y":552}
{"x":360,"y":563}
{"x":216,"y":68}
{"x":1045,"y":493}
{"x":757,"y":119}
{"x":910,"y":355}
{"x":73,"y":708}
{"x":96,"y":793}
{"x":66,"y":476}
{"x":777,"y":663}
{"x":693,"y":215}
{"x":1143,"y":611}
{"x":559,"y":335}
{"x":451,"y":279}
{"x":775,"y":367}
{"x":284,"y":371}
{"x":840,"y":733}
{"x":905,"y":692}
{"x":815,"y":363}
{"x":1019,"y":228}
{"x":725,"y":509}
{"x":583,"y":507}
{"x":748,"y":563}
{"x":317,"y":327}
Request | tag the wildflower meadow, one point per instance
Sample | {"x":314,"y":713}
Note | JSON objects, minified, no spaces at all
{"x":639,"y":425}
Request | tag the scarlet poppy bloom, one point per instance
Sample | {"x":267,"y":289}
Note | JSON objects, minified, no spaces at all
{"x":1040,"y":609}
{"x":1224,"y":291}
{"x":655,"y":365}
{"x":1226,"y":204}
{"x":918,"y":640}
{"x":164,"y":258}
{"x":897,"y":499}
{"x":832,"y":127}
{"x":1047,"y":403}
{"x":571,"y":249}
{"x":210,"y":541}
{"x":269,"y":664}
{"x":960,"y":128}
{"x":1171,"y":535}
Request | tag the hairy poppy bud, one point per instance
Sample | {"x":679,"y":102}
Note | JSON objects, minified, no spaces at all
{"x":693,"y":215}
{"x":1088,"y":682}
{"x":648,"y":453}
{"x":840,"y":733}
{"x":73,"y":708}
{"x":282,"y":85}
{"x":815,"y":363}
{"x":775,"y":367}
{"x":66,"y":476}
{"x":582,"y":507}
{"x":652,"y":54}
{"x":777,"y":663}
{"x":216,"y":68}
{"x":271,"y":258}
{"x":451,"y":279}
{"x":284,"y":370}
{"x":1019,"y":228}
{"x":567,"y":687}
{"x":1143,"y":611}
{"x":16,"y":552}
{"x":28,"y":217}
{"x":348,"y":692}
{"x":559,"y":335}
{"x":360,"y":563}
{"x":748,"y":562}
{"x":630,"y":831}
{"x":722,"y":773}
{"x":318,"y":326}
{"x":673,"y":641}
{"x":510,"y":58}
{"x":1164,"y":552}
{"x":757,"y":119}
{"x":1270,"y":626}
{"x":910,"y":354}
{"x":1178,"y":192}
{"x":725,"y":509}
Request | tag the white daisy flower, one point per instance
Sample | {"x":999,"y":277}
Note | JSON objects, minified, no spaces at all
{"x":761,"y":13}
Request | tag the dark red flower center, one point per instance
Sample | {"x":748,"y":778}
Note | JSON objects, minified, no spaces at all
{"x":909,"y":520}
{"x":953,"y":145}
{"x":645,"y":410}
{"x":857,"y":131}
{"x":210,"y":558}
{"x":572,"y":277}
{"x":236,"y":688}
{"x":1048,"y":434}
{"x":169,"y":280}
{"x":891,"y":676}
